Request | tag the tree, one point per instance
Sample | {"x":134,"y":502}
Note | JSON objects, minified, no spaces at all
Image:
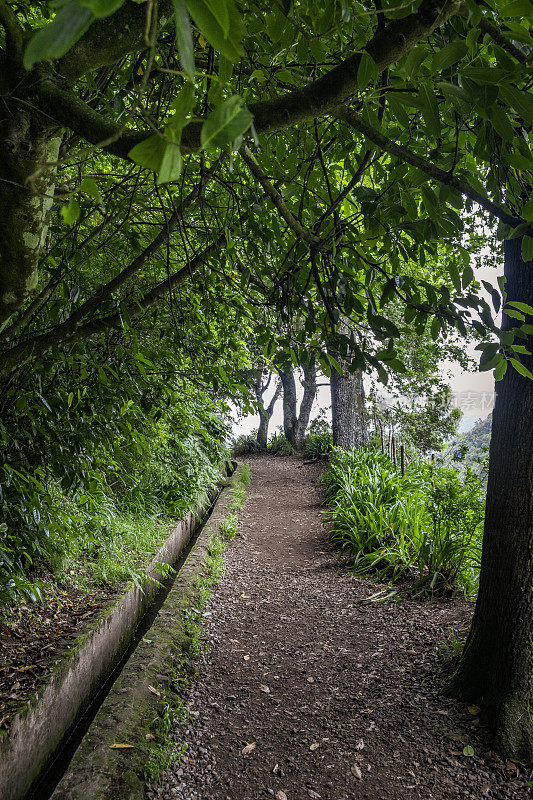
{"x":295,"y":422}
{"x":497,"y":663}
{"x":349,"y":425}
{"x":260,"y":386}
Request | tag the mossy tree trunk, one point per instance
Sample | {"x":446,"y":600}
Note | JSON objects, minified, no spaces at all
{"x":496,"y":668}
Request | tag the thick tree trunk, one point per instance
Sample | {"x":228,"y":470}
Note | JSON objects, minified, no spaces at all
{"x":349,"y":425}
{"x":28,"y":150}
{"x":348,"y":409}
{"x":496,"y":668}
{"x":294,"y":424}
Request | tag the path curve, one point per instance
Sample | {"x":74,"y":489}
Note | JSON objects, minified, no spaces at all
{"x":338,"y":696}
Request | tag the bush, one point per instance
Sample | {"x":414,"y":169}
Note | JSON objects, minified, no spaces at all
{"x":245,"y":444}
{"x":279,"y":446}
{"x":426,"y":525}
{"x":318,"y":441}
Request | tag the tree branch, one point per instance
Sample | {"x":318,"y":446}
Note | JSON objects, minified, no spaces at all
{"x":292,"y":221}
{"x":300,"y":105}
{"x":353,"y":119}
{"x":13,"y":31}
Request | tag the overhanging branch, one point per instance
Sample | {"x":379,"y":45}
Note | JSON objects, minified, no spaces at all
{"x":403,"y":153}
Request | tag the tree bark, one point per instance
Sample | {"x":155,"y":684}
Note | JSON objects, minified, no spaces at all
{"x":294,"y":424}
{"x":27,"y":147}
{"x":496,"y":667}
{"x":349,"y":425}
{"x":265,"y":415}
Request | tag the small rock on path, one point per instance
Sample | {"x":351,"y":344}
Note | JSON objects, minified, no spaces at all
{"x":306,"y":690}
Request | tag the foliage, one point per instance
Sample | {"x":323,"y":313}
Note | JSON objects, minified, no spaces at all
{"x":425,"y":525}
{"x":93,"y":498}
{"x":278,"y":444}
{"x":472,"y":449}
{"x":318,"y":439}
{"x":245,"y":444}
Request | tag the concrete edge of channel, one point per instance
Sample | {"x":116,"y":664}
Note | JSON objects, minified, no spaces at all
{"x":99,"y":771}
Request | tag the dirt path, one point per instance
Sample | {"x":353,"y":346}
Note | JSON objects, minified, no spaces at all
{"x":340,"y":697}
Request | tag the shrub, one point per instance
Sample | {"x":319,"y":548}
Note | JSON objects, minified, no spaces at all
{"x":318,"y":440}
{"x":279,"y":446}
{"x":425,"y":525}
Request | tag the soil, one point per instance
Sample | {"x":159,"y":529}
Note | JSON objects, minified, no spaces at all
{"x":308,"y":689}
{"x":34,"y":639}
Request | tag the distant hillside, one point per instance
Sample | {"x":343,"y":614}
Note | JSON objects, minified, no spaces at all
{"x":472,"y":447}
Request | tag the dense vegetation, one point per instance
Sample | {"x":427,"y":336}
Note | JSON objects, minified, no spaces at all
{"x":181,"y":177}
{"x":425,"y":526}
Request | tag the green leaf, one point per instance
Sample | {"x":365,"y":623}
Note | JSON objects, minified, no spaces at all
{"x":527,"y":210}
{"x":184,"y":39}
{"x":367,"y":71}
{"x":468,"y":276}
{"x":101,"y":8}
{"x":398,"y":110}
{"x":90,"y":187}
{"x":500,"y":370}
{"x":414,"y":59}
{"x":518,"y":8}
{"x":456,"y":278}
{"x":430,"y":110}
{"x":524,"y":307}
{"x":170,"y":167}
{"x":514,"y":314}
{"x":468,"y":750}
{"x":450,"y":54}
{"x":229,"y":44}
{"x":527,"y":248}
{"x":520,"y":368}
{"x":149,"y":153}
{"x":228,"y":121}
{"x":71,"y":211}
{"x":56,"y":38}
{"x":501,"y":123}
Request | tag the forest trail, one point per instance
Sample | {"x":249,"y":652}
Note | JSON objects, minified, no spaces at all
{"x":339,"y":696}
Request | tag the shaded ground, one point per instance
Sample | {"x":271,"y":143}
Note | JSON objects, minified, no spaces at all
{"x":35,"y":638}
{"x":308,"y":690}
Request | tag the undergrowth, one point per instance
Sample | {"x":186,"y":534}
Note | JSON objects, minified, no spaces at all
{"x":172,"y":711}
{"x":425,"y":526}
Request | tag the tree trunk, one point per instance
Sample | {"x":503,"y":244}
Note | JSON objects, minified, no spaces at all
{"x":348,"y":408}
{"x":496,"y":667}
{"x":290,"y":417}
{"x":265,"y":415}
{"x":27,"y":149}
{"x":294,"y":424}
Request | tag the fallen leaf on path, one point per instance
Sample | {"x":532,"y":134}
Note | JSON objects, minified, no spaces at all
{"x":315,"y":746}
{"x":310,"y":680}
{"x":485,"y":790}
{"x":246,"y":658}
{"x":354,"y":769}
{"x":245,"y":596}
{"x":360,"y":744}
{"x":118,"y":746}
{"x":474,"y":710}
{"x":280,"y":795}
{"x":248,"y":748}
{"x":313,"y":795}
{"x":149,"y":737}
{"x":154,"y":691}
{"x":264,"y":688}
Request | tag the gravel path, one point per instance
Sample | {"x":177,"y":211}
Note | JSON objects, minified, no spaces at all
{"x":307,"y":689}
